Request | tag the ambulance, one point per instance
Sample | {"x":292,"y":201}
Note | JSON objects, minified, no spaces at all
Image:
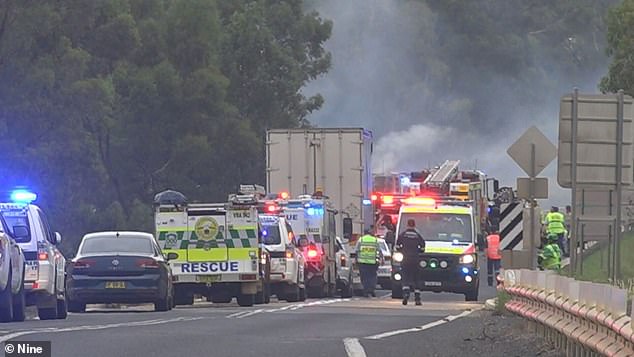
{"x":450,"y":262}
{"x":218,"y":247}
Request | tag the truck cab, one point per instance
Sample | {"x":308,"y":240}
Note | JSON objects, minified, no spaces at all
{"x":45,"y":265}
{"x":450,"y":262}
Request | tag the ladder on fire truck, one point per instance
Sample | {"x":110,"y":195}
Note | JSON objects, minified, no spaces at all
{"x":443,"y":174}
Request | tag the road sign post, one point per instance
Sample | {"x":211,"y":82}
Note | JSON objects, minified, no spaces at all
{"x":595,"y":152}
{"x":532,"y":152}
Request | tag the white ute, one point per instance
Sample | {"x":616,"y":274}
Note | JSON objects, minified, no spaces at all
{"x":44,"y":280}
{"x":12,"y":301}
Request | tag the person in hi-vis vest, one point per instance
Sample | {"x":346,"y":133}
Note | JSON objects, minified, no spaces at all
{"x":494,"y":257}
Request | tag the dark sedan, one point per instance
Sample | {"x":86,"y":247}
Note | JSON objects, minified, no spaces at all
{"x":119,"y":267}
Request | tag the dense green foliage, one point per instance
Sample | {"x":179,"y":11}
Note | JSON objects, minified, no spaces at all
{"x":104,"y":103}
{"x":620,"y":48}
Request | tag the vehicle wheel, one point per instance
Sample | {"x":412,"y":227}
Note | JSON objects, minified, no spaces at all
{"x":221,"y":299}
{"x":264,"y":296}
{"x":76,"y":306}
{"x":346,"y":291}
{"x":397,"y":291}
{"x":246,"y":299}
{"x":162,"y":304}
{"x":183,"y":298}
{"x":6,"y":301}
{"x":62,"y":309}
{"x":302,"y":294}
{"x":292,"y":293}
{"x":19,"y":303}
{"x":48,"y":313}
{"x":471,"y":295}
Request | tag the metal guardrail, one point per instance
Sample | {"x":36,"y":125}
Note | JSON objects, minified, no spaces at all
{"x":580,"y":318}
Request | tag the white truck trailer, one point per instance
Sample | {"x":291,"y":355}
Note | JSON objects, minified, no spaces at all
{"x":335,"y":161}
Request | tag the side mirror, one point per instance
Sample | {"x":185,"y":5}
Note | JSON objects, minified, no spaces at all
{"x":21,"y":232}
{"x":172,"y":256}
{"x":347,"y":228}
{"x":58,"y":238}
{"x":496,"y":185}
{"x":303,"y":242}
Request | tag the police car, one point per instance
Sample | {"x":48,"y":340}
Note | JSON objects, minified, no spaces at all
{"x":44,"y":274}
{"x":11,"y":277}
{"x":287,"y":261}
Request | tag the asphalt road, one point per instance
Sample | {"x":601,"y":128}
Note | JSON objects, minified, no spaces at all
{"x":329,"y":327}
{"x":445,"y":325}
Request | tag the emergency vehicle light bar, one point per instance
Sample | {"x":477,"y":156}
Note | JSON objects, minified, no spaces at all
{"x":243,"y":199}
{"x":423,"y":201}
{"x":255,"y":190}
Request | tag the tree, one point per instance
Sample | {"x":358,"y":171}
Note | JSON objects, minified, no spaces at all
{"x":620,"y":48}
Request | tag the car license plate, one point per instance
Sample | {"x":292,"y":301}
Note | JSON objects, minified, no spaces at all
{"x":115,"y":284}
{"x":207,"y":278}
{"x":433,"y":283}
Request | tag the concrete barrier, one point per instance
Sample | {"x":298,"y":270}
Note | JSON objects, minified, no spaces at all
{"x":580,"y":318}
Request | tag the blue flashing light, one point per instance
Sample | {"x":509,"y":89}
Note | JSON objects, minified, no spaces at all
{"x":312,"y":211}
{"x":23,"y":196}
{"x":488,"y":209}
{"x":265,"y":233}
{"x":367,"y":202}
{"x":465,"y":270}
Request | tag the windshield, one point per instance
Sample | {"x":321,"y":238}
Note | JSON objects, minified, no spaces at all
{"x":271,"y":234}
{"x":15,"y":218}
{"x":121,"y":244}
{"x":439,"y":226}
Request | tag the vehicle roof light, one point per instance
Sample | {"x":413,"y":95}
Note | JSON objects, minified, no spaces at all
{"x":283,"y":195}
{"x":387,"y":199}
{"x":423,"y":201}
{"x":23,"y":196}
{"x":374,"y":197}
{"x":271,"y":208}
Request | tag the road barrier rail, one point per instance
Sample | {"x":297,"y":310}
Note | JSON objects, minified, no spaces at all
{"x":579,"y":318}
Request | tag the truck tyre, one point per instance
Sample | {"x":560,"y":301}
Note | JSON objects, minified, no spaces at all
{"x":6,"y":301}
{"x":263,"y":296}
{"x":221,"y":298}
{"x":302,"y":294}
{"x":183,"y":298}
{"x":76,"y":306}
{"x":397,"y":290}
{"x":246,"y":299}
{"x":292,"y":293}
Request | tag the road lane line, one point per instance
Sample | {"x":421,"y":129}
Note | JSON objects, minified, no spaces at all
{"x":236,"y":314}
{"x":4,"y":338}
{"x":353,"y":347}
{"x":421,"y":328}
{"x":250,"y":314}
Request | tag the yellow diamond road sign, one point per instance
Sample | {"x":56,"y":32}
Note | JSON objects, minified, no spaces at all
{"x":520,"y":151}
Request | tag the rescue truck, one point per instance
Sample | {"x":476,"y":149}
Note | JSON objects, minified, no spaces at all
{"x":218,"y":247}
{"x":44,"y":275}
{"x":313,"y":222}
{"x":450,"y":262}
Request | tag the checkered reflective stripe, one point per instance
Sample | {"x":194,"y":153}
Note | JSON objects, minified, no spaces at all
{"x":242,"y":238}
{"x":173,"y":239}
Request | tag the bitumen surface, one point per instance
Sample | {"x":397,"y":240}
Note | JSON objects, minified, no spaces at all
{"x":445,"y":325}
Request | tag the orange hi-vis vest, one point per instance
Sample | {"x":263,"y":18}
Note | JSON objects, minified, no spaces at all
{"x":493,"y":247}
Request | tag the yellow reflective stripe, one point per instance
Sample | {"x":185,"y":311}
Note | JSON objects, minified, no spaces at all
{"x":241,"y":228}
{"x":182,"y":254}
{"x":211,"y":255}
{"x":172,"y":229}
{"x":241,"y":253}
{"x":444,"y":250}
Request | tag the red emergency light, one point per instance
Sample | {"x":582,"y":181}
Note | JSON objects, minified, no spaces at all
{"x":271,"y":208}
{"x":312,"y":252}
{"x":283,"y":195}
{"x":374,"y":198}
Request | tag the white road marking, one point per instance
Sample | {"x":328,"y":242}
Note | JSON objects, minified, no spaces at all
{"x":353,"y":347}
{"x":421,"y":328}
{"x":236,"y":314}
{"x":4,"y":338}
{"x":250,"y":314}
